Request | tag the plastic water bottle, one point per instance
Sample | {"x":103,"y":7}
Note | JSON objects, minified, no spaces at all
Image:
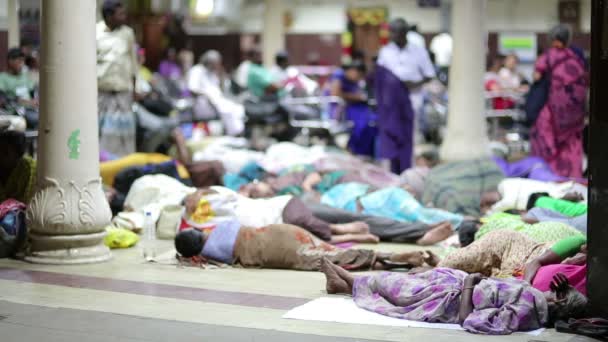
{"x":149,"y":237}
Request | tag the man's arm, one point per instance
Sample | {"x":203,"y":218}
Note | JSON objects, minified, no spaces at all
{"x":466,"y":297}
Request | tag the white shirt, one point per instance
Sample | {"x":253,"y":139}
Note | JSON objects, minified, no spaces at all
{"x":116,"y":58}
{"x":254,"y":213}
{"x":441,"y":46}
{"x":242,"y":73}
{"x":410,"y":64}
{"x":416,"y":38}
{"x":515,"y":192}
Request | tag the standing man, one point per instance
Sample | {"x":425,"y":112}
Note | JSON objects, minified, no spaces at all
{"x":402,"y":71}
{"x":116,"y":74}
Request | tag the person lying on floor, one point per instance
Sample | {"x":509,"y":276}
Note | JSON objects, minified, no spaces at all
{"x":541,"y":232}
{"x":570,"y":205}
{"x":514,"y":194}
{"x":504,"y":253}
{"x":480,"y":305}
{"x":392,"y":202}
{"x":210,"y":205}
{"x":283,"y":246}
{"x":542,"y":269}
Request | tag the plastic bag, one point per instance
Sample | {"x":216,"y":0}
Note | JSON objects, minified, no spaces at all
{"x":120,"y":238}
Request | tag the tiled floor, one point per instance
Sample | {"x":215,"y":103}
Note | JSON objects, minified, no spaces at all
{"x":127,"y":299}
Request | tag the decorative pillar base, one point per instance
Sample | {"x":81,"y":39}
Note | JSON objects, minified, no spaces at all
{"x":67,"y":249}
{"x":71,"y":256}
{"x":66,"y":222}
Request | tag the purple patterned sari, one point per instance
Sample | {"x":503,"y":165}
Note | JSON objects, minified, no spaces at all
{"x":501,"y":306}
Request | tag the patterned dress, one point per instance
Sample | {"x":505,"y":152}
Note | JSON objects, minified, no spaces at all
{"x":542,"y":232}
{"x":557,"y":135}
{"x":501,"y":306}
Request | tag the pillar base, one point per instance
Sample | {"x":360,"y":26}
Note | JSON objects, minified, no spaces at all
{"x":67,"y":249}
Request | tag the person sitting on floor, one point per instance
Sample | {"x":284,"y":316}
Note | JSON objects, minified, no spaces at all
{"x":480,"y":305}
{"x":282,"y":246}
{"x":215,"y":204}
{"x":17,"y":171}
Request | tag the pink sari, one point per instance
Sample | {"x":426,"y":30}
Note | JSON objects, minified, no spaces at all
{"x":557,"y":134}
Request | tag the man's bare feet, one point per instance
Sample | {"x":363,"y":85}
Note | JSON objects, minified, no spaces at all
{"x":334,"y":284}
{"x":437,"y":234}
{"x":350,"y":228}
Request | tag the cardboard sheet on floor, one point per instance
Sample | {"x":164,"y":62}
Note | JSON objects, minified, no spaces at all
{"x":344,"y":310}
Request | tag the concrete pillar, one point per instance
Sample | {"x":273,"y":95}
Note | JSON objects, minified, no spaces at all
{"x":68,"y":214}
{"x":14,"y":30}
{"x":273,"y":32}
{"x":466,"y":137}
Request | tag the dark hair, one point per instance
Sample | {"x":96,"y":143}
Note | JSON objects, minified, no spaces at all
{"x":398,"y":24}
{"x":356,"y":64}
{"x":573,"y":305}
{"x":281,"y":57}
{"x":189,"y":242}
{"x":109,"y":7}
{"x":534,"y":197}
{"x":14,"y":53}
{"x":466,"y":233}
{"x":15,"y":139}
{"x":562,"y":33}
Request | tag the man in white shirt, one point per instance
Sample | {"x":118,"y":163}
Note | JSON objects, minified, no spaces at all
{"x":410,"y":63}
{"x":208,"y":83}
{"x":117,"y":69}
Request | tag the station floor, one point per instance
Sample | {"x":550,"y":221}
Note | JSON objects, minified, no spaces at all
{"x":127,"y":299}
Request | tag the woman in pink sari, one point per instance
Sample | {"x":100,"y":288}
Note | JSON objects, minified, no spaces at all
{"x":557,"y":133}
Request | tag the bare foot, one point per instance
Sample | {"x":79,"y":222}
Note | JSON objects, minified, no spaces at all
{"x":361,"y":238}
{"x":334,"y":284}
{"x":431,"y":258}
{"x":350,"y":228}
{"x":414,"y":259}
{"x":439,"y":233}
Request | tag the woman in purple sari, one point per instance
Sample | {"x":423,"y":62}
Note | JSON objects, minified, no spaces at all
{"x":346,"y":84}
{"x":480,"y":305}
{"x":557,"y":135}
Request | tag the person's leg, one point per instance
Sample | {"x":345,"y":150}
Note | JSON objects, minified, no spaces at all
{"x":298,"y":214}
{"x":386,"y":229}
{"x":438,"y":233}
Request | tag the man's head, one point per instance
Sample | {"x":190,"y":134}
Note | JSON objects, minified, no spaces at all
{"x":114,"y":13}
{"x":256,"y":56}
{"x":398,"y":31}
{"x":282,"y":59}
{"x":189,"y":242}
{"x":171,"y":54}
{"x":16,"y":59}
{"x":12,"y":145}
{"x":212,"y":60}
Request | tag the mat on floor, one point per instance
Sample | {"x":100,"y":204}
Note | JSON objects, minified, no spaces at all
{"x":344,"y":310}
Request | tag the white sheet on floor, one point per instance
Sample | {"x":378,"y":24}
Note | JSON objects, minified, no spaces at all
{"x":344,"y":310}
